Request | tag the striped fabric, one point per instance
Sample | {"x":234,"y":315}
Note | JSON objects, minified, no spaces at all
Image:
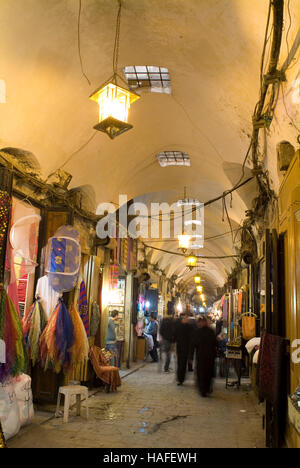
{"x":83,"y":308}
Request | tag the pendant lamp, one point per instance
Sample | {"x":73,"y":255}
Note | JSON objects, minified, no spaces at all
{"x":191,"y":261}
{"x":184,"y":242}
{"x":114,"y":101}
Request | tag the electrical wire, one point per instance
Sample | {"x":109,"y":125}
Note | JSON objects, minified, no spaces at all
{"x":217,"y":236}
{"x":183,"y":255}
{"x":78,"y":43}
{"x":71,"y":155}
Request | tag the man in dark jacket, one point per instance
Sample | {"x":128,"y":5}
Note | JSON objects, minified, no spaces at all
{"x":206,"y":344}
{"x":166,"y":332}
{"x":183,"y":337}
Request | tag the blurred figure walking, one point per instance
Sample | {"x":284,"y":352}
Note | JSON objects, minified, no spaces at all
{"x":166,"y":332}
{"x":206,"y":345}
{"x":183,"y":337}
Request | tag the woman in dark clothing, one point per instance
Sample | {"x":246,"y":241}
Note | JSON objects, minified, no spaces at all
{"x":205,"y":343}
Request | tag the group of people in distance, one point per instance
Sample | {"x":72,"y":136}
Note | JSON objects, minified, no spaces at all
{"x":193,"y":338}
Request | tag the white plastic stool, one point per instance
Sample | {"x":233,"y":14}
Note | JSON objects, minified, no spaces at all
{"x":68,"y":392}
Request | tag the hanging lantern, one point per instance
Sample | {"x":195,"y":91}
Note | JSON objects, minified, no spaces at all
{"x":114,"y":104}
{"x":184,"y":241}
{"x":202,"y":297}
{"x":191,"y":261}
{"x":199,"y":289}
{"x":197,"y":279}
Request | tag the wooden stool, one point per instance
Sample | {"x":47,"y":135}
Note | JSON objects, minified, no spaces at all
{"x":68,"y":392}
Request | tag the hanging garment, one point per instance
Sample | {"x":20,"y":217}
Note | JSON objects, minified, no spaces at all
{"x":63,"y":259}
{"x":270,"y":367}
{"x":47,"y":296}
{"x":240,"y":303}
{"x":83,"y":307}
{"x":113,"y":276}
{"x":57,"y":340}
{"x":248,"y":327}
{"x":80,"y":349}
{"x":33,"y":324}
{"x":225,"y":309}
{"x":16,"y":358}
{"x":95,"y":319}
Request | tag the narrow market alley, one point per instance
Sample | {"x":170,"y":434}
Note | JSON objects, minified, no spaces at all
{"x":149,"y":208}
{"x":151,"y":411}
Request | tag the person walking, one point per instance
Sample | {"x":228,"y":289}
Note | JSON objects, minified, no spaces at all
{"x":152,"y":329}
{"x":182,"y":336}
{"x":205,"y":343}
{"x":111,"y":337}
{"x":192,"y":322}
{"x":166,"y":332}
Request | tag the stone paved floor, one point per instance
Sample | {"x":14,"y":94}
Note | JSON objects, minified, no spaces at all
{"x":149,"y":411}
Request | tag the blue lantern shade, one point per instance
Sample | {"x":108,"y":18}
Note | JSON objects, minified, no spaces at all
{"x":63,"y":259}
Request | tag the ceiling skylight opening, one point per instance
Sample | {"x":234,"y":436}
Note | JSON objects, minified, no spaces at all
{"x":173,"y":158}
{"x":157,"y":79}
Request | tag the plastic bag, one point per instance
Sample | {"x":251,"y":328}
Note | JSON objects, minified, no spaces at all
{"x":11,"y":419}
{"x":22,"y":388}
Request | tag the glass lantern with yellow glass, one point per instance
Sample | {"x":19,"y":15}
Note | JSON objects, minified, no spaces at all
{"x":184,"y":241}
{"x":114,"y":104}
{"x":197,"y":279}
{"x":191,"y":261}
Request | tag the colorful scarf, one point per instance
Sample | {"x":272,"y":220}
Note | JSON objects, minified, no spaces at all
{"x":57,"y":340}
{"x":34,"y":323}
{"x":11,"y":334}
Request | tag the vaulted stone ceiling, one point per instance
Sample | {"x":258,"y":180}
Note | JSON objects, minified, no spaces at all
{"x":212,"y":49}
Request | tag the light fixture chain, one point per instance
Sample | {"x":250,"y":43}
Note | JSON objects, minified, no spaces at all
{"x":117,"y":40}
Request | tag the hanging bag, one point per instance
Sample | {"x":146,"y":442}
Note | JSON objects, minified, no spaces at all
{"x":248,"y":327}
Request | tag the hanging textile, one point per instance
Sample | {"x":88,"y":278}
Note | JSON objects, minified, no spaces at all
{"x":63,"y":259}
{"x":124,"y":253}
{"x":11,"y":333}
{"x":95,"y":319}
{"x":80,"y":349}
{"x":248,"y":327}
{"x":46,"y":295}
{"x":225,"y":309}
{"x":240,"y":302}
{"x":270,"y":367}
{"x":34,"y":323}
{"x":83,"y":307}
{"x":57,"y":340}
{"x":113,"y":276}
{"x":5,"y":206}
